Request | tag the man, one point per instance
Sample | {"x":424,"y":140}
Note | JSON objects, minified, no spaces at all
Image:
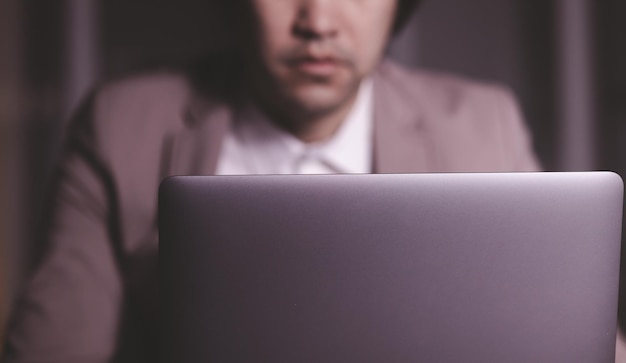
{"x":312,"y":95}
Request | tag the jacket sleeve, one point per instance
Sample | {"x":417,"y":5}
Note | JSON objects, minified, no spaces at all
{"x":70,"y":309}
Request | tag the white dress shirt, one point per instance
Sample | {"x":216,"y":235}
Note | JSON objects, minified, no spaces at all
{"x":254,"y":145}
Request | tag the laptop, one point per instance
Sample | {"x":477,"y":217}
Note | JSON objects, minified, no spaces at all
{"x":519,"y":267}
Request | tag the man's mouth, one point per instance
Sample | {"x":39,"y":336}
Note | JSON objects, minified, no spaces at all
{"x":316,"y":67}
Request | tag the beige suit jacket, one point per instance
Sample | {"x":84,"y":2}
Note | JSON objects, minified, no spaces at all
{"x":98,"y":276}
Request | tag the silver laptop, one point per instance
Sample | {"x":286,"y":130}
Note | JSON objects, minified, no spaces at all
{"x":390,"y":268}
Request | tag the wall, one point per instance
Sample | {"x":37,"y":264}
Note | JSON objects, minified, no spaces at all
{"x":10,"y":91}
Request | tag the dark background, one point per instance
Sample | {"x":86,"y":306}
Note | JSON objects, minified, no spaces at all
{"x":565,"y":59}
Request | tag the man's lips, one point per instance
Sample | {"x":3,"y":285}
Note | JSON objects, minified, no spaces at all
{"x":319,"y":67}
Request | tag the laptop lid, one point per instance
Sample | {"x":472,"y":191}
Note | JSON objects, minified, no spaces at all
{"x":390,"y":268}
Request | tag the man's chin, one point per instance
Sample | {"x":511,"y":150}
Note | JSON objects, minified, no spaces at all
{"x":320,"y":99}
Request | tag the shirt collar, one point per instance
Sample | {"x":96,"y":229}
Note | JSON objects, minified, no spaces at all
{"x":349,"y":150}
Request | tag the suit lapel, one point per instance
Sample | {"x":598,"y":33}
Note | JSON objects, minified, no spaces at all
{"x":195,"y":149}
{"x":401,"y":142}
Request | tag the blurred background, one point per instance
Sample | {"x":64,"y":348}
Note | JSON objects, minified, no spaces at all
{"x":565,"y":60}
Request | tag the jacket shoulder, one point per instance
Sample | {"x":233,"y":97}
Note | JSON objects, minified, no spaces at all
{"x":148,"y":104}
{"x":148,"y":93}
{"x":476,"y":125}
{"x":442,"y":92}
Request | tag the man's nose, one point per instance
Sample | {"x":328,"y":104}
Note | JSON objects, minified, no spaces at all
{"x":316,"y":20}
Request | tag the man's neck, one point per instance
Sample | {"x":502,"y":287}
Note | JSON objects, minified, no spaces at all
{"x":310,"y":127}
{"x":306,"y":125}
{"x":313,"y":128}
